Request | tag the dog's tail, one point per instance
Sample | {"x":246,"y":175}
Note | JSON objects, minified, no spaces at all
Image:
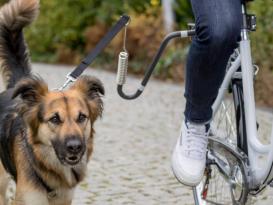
{"x":14,"y":59}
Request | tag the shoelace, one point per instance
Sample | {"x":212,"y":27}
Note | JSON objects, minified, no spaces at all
{"x":196,"y":141}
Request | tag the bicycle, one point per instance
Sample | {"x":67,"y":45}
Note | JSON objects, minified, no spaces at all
{"x":234,"y":150}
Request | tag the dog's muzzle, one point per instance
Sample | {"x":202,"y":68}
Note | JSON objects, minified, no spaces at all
{"x":74,"y":150}
{"x":70,"y":152}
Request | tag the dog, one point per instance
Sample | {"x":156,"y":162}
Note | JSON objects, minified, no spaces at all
{"x":46,"y":137}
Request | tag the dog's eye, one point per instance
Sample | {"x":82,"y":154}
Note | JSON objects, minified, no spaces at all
{"x":55,"y":119}
{"x":81,"y":118}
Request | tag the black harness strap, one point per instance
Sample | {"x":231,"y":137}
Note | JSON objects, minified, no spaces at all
{"x":31,"y":157}
{"x":99,"y":47}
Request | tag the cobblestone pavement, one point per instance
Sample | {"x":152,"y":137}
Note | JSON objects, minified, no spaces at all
{"x":133,"y":144}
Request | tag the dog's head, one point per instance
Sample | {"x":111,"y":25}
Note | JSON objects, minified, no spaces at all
{"x":61,"y":119}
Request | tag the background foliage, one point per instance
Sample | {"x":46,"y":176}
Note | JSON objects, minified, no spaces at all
{"x":61,"y":26}
{"x":262,"y":47}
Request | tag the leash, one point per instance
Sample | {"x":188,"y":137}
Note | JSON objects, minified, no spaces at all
{"x":72,"y":76}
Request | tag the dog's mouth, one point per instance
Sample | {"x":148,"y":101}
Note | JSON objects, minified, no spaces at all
{"x":69,"y":159}
{"x":72,"y":160}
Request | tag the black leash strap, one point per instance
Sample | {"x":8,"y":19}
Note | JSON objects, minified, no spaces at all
{"x":99,"y":47}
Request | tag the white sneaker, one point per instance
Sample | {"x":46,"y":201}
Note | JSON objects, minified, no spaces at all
{"x":189,"y":156}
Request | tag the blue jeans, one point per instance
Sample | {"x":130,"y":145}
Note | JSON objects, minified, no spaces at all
{"x":218,"y":24}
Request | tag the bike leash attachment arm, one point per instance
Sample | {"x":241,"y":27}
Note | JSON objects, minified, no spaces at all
{"x":123,"y":65}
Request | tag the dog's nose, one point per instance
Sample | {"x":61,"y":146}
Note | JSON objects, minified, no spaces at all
{"x":74,"y":146}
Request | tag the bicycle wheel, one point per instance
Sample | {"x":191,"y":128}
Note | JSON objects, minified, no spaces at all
{"x":224,"y":180}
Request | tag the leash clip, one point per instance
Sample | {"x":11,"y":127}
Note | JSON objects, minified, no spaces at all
{"x":69,"y":79}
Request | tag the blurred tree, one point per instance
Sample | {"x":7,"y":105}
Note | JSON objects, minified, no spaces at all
{"x":183,"y":12}
{"x":62,"y":23}
{"x":262,"y":39}
{"x":140,"y":6}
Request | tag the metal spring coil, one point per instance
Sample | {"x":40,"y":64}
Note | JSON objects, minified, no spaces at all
{"x":122,"y":67}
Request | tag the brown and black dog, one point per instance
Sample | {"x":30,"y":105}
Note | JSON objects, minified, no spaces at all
{"x":46,"y":137}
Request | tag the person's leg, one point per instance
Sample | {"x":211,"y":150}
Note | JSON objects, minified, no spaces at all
{"x":218,"y":24}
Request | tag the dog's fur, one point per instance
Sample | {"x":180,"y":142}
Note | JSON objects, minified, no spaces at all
{"x":37,"y":126}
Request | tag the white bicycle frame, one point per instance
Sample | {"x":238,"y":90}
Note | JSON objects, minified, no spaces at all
{"x":259,"y":174}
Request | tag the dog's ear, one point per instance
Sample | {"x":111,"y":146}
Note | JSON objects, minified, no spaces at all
{"x":92,"y":88}
{"x":30,"y":90}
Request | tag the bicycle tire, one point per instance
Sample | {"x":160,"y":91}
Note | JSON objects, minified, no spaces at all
{"x":229,"y":128}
